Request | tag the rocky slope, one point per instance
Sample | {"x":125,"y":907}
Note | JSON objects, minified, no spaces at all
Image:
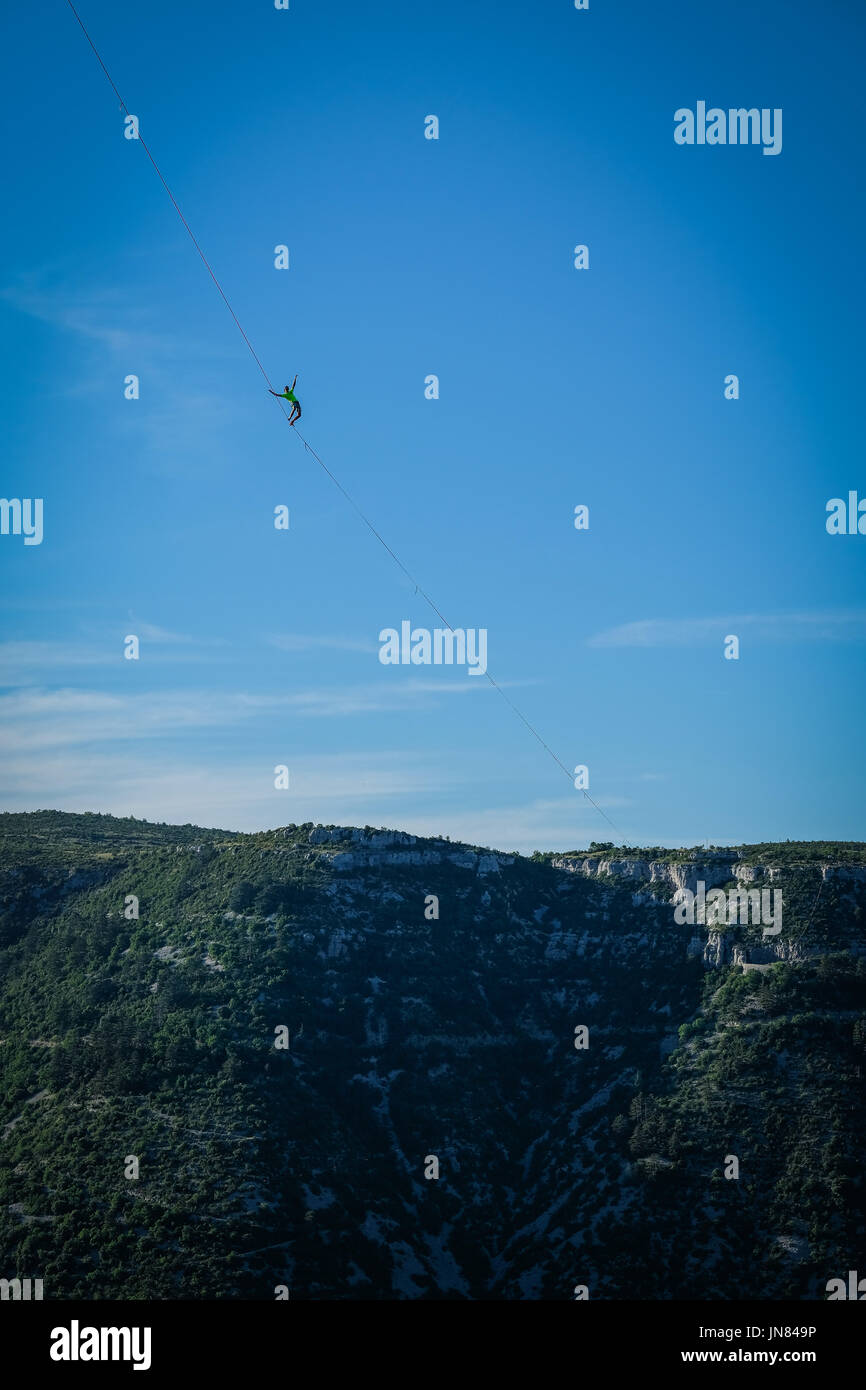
{"x":299,"y":1029}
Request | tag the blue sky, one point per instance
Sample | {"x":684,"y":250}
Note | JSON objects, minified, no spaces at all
{"x":557,"y":387}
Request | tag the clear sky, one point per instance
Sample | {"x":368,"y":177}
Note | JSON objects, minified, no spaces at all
{"x":558,"y":387}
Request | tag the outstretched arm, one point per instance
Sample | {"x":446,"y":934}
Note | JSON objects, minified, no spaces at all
{"x":295,"y":382}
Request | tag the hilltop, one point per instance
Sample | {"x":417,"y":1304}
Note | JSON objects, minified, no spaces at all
{"x":431,"y":995}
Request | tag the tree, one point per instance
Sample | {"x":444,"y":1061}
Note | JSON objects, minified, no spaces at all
{"x":242,"y":895}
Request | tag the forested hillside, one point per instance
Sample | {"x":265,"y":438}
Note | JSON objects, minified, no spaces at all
{"x":285,"y":1034}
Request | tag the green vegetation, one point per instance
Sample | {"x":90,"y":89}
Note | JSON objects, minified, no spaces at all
{"x":153,"y":1036}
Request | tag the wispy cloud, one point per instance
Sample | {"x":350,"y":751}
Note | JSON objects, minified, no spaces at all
{"x":839,"y":626}
{"x":301,"y":642}
{"x":345,"y":789}
{"x":151,"y":633}
{"x":36,"y":718}
{"x":21,"y":659}
{"x":553,"y":824}
{"x":176,"y":415}
{"x":46,"y":662}
{"x":105,"y":316}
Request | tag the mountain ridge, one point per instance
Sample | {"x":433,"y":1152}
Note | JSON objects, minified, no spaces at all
{"x":430,"y":997}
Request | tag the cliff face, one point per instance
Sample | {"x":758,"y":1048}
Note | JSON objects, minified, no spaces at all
{"x":653,"y":881}
{"x":656,"y":881}
{"x":674,"y":874}
{"x":714,"y":871}
{"x":366,"y":1065}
